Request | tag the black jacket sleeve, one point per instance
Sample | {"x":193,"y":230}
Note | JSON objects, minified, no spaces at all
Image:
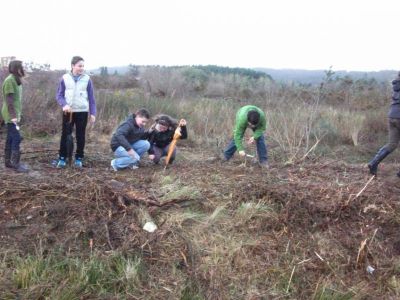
{"x":121,"y":134}
{"x":150,"y":137}
{"x":183,"y":132}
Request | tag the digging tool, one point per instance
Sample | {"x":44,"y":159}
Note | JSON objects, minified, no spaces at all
{"x":246,"y":156}
{"x":70,"y":140}
{"x":177,"y":136}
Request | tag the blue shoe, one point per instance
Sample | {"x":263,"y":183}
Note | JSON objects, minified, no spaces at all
{"x":78,"y":163}
{"x":61,"y":163}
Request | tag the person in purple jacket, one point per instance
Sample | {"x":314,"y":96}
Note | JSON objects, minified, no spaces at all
{"x":76,"y":96}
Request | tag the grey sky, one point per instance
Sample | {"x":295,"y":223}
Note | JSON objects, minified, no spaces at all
{"x":308,"y":34}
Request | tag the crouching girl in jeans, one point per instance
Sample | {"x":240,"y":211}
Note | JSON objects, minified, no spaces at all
{"x":128,"y":142}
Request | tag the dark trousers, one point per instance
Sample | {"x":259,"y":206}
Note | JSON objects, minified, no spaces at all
{"x":394,"y":135}
{"x":79,"y":120}
{"x":161,"y":152}
{"x":13,"y":138}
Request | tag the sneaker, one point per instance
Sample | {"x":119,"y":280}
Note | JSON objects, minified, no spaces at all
{"x":264,"y":165}
{"x":61,"y":163}
{"x":78,"y":163}
{"x":134,"y":167}
{"x":115,"y":169}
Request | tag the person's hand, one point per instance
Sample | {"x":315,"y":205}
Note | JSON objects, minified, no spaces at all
{"x":15,"y":120}
{"x":250,"y":141}
{"x":92,"y":119}
{"x":132,"y":153}
{"x":66,"y":108}
{"x":182,"y":122}
{"x":242,"y":153}
{"x":151,"y":156}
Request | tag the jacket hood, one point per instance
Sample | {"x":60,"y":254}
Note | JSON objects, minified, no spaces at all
{"x":396,"y":84}
{"x":131,"y":119}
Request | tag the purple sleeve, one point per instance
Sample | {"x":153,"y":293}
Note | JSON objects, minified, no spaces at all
{"x":92,"y":100}
{"x":60,"y":96}
{"x":10,"y":105}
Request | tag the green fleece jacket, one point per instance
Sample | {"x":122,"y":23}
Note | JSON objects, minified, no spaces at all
{"x":241,"y":124}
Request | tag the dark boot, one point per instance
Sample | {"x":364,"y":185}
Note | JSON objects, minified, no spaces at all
{"x":7,"y":158}
{"x":373,"y":164}
{"x":16,"y":164}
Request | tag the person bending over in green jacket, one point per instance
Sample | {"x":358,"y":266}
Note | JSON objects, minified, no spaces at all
{"x":253,"y":117}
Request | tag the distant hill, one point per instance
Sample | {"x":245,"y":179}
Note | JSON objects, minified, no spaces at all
{"x":205,"y":68}
{"x":317,"y":76}
{"x":111,"y":70}
{"x":279,"y":75}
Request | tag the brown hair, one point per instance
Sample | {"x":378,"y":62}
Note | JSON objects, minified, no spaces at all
{"x":75,"y":60}
{"x":143,"y":113}
{"x":166,"y":120}
{"x":15,"y":67}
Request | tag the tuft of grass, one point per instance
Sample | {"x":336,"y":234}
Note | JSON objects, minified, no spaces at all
{"x":394,"y":284}
{"x":29,"y":270}
{"x":191,"y":292}
{"x":344,"y":124}
{"x":330,"y":293}
{"x":176,"y":191}
{"x":179,"y":219}
{"x":219,"y":213}
{"x":167,"y":179}
{"x":58,"y":277}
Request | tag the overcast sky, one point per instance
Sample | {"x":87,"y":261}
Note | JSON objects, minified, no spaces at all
{"x":309,"y":34}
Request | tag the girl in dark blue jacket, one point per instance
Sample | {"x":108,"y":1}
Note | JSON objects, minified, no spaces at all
{"x":161,"y":134}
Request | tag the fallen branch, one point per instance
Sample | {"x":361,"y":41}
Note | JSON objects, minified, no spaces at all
{"x":311,"y":149}
{"x":360,"y":192}
{"x":108,"y":236}
{"x":361,"y":252}
{"x":290,"y":280}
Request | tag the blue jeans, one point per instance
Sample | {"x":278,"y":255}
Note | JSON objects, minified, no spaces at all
{"x":124,"y":160}
{"x":13,"y":138}
{"x":261,"y":149}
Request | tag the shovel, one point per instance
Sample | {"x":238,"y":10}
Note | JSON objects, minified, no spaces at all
{"x":177,"y":136}
{"x":70,"y":140}
{"x":246,"y":157}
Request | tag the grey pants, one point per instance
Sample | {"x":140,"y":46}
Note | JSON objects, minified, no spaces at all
{"x":160,"y":152}
{"x":394,"y":135}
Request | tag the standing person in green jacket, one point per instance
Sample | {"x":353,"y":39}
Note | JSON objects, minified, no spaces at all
{"x":253,"y":117}
{"x":11,"y":113}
